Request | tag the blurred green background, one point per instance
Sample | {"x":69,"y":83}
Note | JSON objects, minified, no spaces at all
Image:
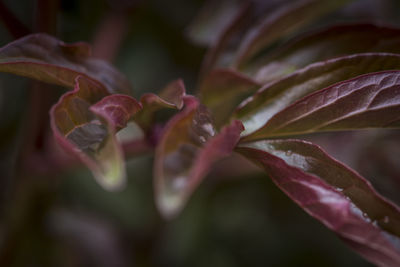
{"x":66,"y":219}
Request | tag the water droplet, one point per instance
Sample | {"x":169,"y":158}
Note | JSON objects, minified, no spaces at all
{"x":288,"y":153}
{"x":339,"y":189}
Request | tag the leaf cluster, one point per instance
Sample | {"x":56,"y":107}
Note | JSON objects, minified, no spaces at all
{"x":266,"y":81}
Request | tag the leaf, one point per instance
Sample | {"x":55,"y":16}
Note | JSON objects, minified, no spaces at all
{"x":324,"y":44}
{"x":84,"y":122}
{"x":169,"y":97}
{"x":255,"y":111}
{"x":218,"y":48}
{"x":222,"y":50}
{"x":367,"y":101}
{"x":45,"y":58}
{"x":282,"y":22}
{"x":228,"y":87}
{"x":212,"y":20}
{"x":333,"y":194}
{"x":187,"y":150}
{"x":116,"y":109}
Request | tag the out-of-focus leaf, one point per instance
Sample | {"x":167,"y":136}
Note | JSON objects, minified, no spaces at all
{"x":45,"y":58}
{"x":216,"y":50}
{"x":84,"y":122}
{"x":222,"y":51}
{"x":367,"y":101}
{"x":169,"y":97}
{"x":222,"y":90}
{"x":324,"y":44}
{"x":212,"y":20}
{"x":186,"y":152}
{"x":333,"y":194}
{"x":255,"y":111}
{"x":283,"y":22}
{"x":378,"y":159}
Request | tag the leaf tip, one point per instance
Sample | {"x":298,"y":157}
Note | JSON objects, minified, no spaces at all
{"x":169,"y":205}
{"x":112,"y":177}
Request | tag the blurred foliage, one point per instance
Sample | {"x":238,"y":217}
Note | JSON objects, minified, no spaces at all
{"x":68,"y":220}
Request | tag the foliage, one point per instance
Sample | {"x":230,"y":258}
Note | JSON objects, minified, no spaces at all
{"x":269,"y":78}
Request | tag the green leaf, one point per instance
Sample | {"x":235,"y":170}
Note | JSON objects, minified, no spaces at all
{"x":84,"y":122}
{"x":187,"y":150}
{"x":339,"y":40}
{"x":367,"y":101}
{"x":255,"y":111}
{"x":333,"y":194}
{"x":282,"y":22}
{"x":45,"y":58}
{"x":228,"y":87}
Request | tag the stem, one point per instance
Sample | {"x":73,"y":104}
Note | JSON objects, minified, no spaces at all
{"x":24,"y":201}
{"x":46,"y":16}
{"x":15,"y":27}
{"x":41,"y":95}
{"x":113,"y":29}
{"x":110,"y":36}
{"x":137,"y":147}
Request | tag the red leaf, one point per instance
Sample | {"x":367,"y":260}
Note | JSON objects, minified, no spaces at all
{"x":185,"y":154}
{"x":328,"y":43}
{"x":116,"y":109}
{"x":367,"y":101}
{"x":282,"y":22}
{"x":333,"y":194}
{"x":255,"y":111}
{"x":45,"y":58}
{"x":86,"y":128}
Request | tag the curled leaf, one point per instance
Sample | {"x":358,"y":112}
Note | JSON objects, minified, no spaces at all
{"x":334,"y":41}
{"x":228,"y":87}
{"x":85,"y":121}
{"x":45,"y":58}
{"x":169,"y":97}
{"x":186,"y":152}
{"x":333,"y":194}
{"x":255,"y":111}
{"x":116,"y":109}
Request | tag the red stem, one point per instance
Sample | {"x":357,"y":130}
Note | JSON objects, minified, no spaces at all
{"x":110,"y":35}
{"x":16,"y":28}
